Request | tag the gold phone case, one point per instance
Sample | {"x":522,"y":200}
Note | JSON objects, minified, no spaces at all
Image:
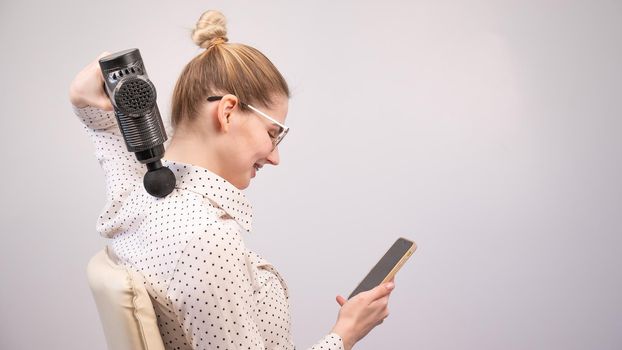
{"x":400,"y":263}
{"x":386,"y":268}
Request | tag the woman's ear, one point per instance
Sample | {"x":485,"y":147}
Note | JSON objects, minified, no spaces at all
{"x":226,"y":106}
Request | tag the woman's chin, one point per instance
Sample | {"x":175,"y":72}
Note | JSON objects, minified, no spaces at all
{"x":245,"y":182}
{"x":241,"y":182}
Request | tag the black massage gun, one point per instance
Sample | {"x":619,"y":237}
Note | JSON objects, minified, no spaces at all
{"x":133,"y":96}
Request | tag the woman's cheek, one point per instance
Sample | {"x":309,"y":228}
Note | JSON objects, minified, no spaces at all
{"x":263,"y":146}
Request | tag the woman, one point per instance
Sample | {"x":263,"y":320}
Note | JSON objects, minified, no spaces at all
{"x":209,"y":291}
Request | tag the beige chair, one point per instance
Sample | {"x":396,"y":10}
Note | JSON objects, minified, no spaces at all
{"x":124,"y":305}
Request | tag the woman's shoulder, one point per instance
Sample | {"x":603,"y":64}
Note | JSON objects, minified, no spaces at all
{"x":184,"y":208}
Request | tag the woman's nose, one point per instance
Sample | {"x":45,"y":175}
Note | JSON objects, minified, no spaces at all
{"x":273,"y":157}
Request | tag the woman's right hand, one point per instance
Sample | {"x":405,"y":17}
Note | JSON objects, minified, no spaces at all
{"x":87,"y":88}
{"x":359,"y":315}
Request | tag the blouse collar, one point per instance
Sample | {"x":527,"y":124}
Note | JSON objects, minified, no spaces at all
{"x":202,"y":181}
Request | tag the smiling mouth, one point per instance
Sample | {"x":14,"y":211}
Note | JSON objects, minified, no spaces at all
{"x":256,"y":168}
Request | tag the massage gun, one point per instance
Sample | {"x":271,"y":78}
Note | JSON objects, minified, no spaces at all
{"x":133,"y":97}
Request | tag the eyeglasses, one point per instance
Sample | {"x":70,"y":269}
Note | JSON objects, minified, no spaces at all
{"x":283,"y":130}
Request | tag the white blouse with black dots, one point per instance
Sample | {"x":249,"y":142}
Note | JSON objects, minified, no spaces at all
{"x":208,"y":290}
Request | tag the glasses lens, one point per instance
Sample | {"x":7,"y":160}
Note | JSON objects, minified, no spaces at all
{"x":280,"y":137}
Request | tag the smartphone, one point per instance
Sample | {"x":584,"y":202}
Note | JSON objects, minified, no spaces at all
{"x":388,"y":266}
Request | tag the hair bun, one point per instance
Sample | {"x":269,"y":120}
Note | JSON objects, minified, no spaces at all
{"x":210,"y":29}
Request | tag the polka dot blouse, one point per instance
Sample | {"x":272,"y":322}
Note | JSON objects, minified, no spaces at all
{"x":208,"y":290}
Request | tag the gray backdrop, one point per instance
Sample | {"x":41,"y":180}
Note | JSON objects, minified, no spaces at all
{"x":487,"y":131}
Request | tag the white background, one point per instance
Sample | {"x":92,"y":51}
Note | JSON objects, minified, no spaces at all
{"x":487,"y":131}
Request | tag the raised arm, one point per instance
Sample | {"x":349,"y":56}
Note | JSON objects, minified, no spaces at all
{"x":123,"y":173}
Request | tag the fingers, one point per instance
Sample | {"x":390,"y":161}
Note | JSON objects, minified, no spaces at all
{"x":381,"y":309}
{"x":341,"y":300}
{"x":87,"y":88}
{"x":104,"y":104}
{"x":103,"y":54}
{"x":381,"y":290}
{"x":381,"y":304}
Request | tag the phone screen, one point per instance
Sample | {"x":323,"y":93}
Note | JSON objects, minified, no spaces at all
{"x":397,"y":254}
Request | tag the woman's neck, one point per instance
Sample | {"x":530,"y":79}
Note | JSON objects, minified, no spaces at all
{"x":190,"y":148}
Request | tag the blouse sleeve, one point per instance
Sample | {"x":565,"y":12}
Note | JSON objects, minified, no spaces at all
{"x":122,"y":170}
{"x":212,"y":292}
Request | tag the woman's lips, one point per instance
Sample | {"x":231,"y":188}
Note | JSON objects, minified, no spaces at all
{"x":256,"y":168}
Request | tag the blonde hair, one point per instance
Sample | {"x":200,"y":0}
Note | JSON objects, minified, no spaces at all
{"x":223,"y":68}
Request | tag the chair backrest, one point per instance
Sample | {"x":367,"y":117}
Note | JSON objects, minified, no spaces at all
{"x":124,"y":306}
